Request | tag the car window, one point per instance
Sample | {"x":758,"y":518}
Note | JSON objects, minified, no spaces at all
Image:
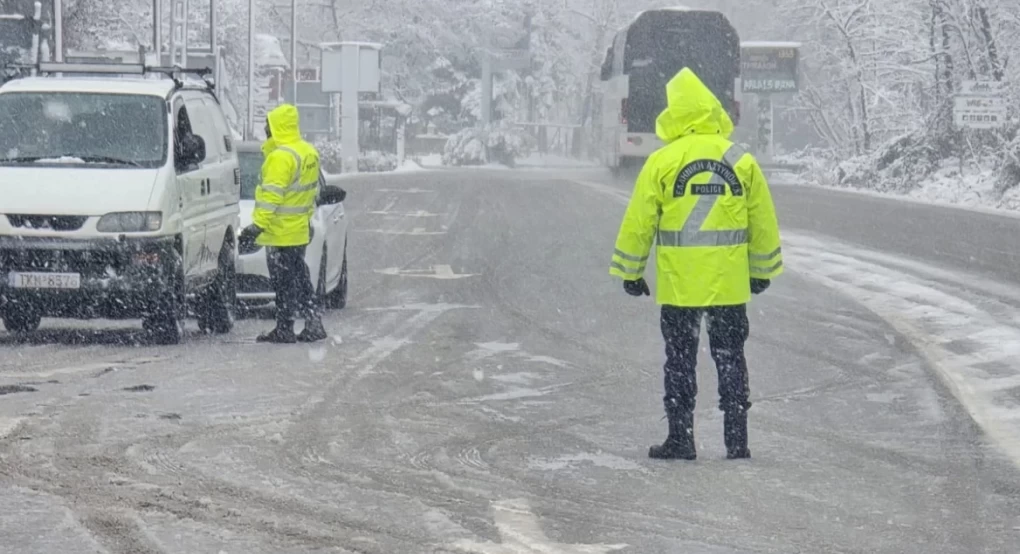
{"x":251,"y":173}
{"x":219,"y":122}
{"x":202,"y":124}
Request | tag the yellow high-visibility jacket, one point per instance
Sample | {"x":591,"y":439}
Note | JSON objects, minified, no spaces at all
{"x":706,"y":201}
{"x":285,"y":197}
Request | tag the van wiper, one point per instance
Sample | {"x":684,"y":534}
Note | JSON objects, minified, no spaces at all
{"x":107,"y":160}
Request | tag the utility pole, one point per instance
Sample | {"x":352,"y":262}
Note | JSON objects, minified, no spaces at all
{"x":212,"y":28}
{"x":349,"y":129}
{"x":179,"y":33}
{"x":58,"y":31}
{"x":157,"y":30}
{"x":250,"y":127}
{"x":293,"y":49}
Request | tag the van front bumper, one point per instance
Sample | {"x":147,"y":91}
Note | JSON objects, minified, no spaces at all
{"x":118,"y":277}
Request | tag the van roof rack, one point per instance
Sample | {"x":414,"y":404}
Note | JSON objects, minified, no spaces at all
{"x":176,"y":73}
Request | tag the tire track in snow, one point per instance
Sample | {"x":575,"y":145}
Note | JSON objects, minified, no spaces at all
{"x":973,"y":353}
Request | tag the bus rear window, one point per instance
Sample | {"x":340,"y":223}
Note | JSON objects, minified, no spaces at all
{"x":660,"y":44}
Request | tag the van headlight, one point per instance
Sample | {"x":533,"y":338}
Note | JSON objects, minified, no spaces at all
{"x":130,"y":222}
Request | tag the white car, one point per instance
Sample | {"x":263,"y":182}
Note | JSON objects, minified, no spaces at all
{"x":326,"y":255}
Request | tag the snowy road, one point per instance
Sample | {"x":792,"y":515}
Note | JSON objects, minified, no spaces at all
{"x":491,"y":390}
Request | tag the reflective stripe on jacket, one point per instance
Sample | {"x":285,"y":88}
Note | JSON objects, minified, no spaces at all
{"x":707,"y":204}
{"x":285,"y":197}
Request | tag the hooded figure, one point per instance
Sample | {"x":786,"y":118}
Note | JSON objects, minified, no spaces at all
{"x":708,"y":206}
{"x":284,"y":205}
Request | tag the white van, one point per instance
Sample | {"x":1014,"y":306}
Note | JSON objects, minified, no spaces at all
{"x":118,"y":199}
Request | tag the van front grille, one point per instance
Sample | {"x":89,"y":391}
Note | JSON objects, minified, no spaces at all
{"x":47,"y":222}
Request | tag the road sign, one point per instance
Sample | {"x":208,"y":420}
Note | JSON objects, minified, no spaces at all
{"x":984,"y":88}
{"x":510,"y":59}
{"x":368,"y":70}
{"x":769,"y":67}
{"x":981,"y":105}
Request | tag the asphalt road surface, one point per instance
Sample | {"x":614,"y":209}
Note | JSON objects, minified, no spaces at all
{"x":490,"y":389}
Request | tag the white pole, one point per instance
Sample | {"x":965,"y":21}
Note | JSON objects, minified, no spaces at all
{"x":401,"y":139}
{"x":184,"y":33}
{"x":251,"y":70}
{"x":157,"y":30}
{"x":174,"y":30}
{"x":486,"y":94}
{"x":212,"y":27}
{"x":293,"y":50}
{"x":36,"y":23}
{"x":58,"y":30}
{"x":349,"y":107}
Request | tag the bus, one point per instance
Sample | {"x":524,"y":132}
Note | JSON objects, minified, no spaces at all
{"x":643,"y":57}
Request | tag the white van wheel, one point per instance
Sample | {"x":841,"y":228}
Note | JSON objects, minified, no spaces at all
{"x":21,"y":318}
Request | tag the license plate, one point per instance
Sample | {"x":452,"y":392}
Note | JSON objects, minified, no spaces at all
{"x":44,"y":280}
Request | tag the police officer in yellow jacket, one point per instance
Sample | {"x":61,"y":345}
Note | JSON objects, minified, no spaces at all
{"x":284,"y":205}
{"x":708,"y":205}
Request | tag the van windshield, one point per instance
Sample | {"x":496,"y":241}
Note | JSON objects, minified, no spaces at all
{"x":122,"y":130}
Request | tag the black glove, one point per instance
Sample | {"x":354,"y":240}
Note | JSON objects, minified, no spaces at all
{"x":246,"y":241}
{"x":637,"y":288}
{"x":758,"y":286}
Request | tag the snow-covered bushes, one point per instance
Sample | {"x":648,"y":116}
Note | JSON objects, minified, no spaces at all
{"x":1009,"y":170}
{"x":505,"y":142}
{"x":372,"y":161}
{"x":897,"y":166}
{"x":330,"y":156}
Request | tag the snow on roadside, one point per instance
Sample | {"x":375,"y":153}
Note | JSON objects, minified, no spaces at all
{"x":552,"y":161}
{"x":431,"y":160}
{"x":967,"y":187}
{"x":409,"y":166}
{"x":957,"y":321}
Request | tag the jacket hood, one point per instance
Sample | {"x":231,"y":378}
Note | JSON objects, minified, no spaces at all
{"x":284,"y":123}
{"x":691,"y":108}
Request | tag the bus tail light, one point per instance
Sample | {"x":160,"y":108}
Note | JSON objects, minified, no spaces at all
{"x":623,"y":111}
{"x":736,"y":112}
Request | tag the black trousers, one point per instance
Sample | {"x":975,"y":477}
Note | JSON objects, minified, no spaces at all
{"x":728,"y":329}
{"x":291,"y":283}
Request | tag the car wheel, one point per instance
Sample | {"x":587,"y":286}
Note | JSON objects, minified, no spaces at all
{"x":21,"y":317}
{"x":217,"y":305}
{"x":165,"y":321}
{"x":337,"y":300}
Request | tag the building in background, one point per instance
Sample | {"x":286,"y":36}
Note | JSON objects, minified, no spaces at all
{"x":18,"y":27}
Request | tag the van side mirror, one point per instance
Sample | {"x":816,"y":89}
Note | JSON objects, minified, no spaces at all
{"x":331,"y":194}
{"x":192,"y":150}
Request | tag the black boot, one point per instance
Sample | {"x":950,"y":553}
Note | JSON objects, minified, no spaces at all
{"x":313,"y":331}
{"x":679,"y":444}
{"x":735,"y":434}
{"x":282,"y":334}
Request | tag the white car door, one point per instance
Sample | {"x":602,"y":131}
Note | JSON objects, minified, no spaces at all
{"x":334,"y":221}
